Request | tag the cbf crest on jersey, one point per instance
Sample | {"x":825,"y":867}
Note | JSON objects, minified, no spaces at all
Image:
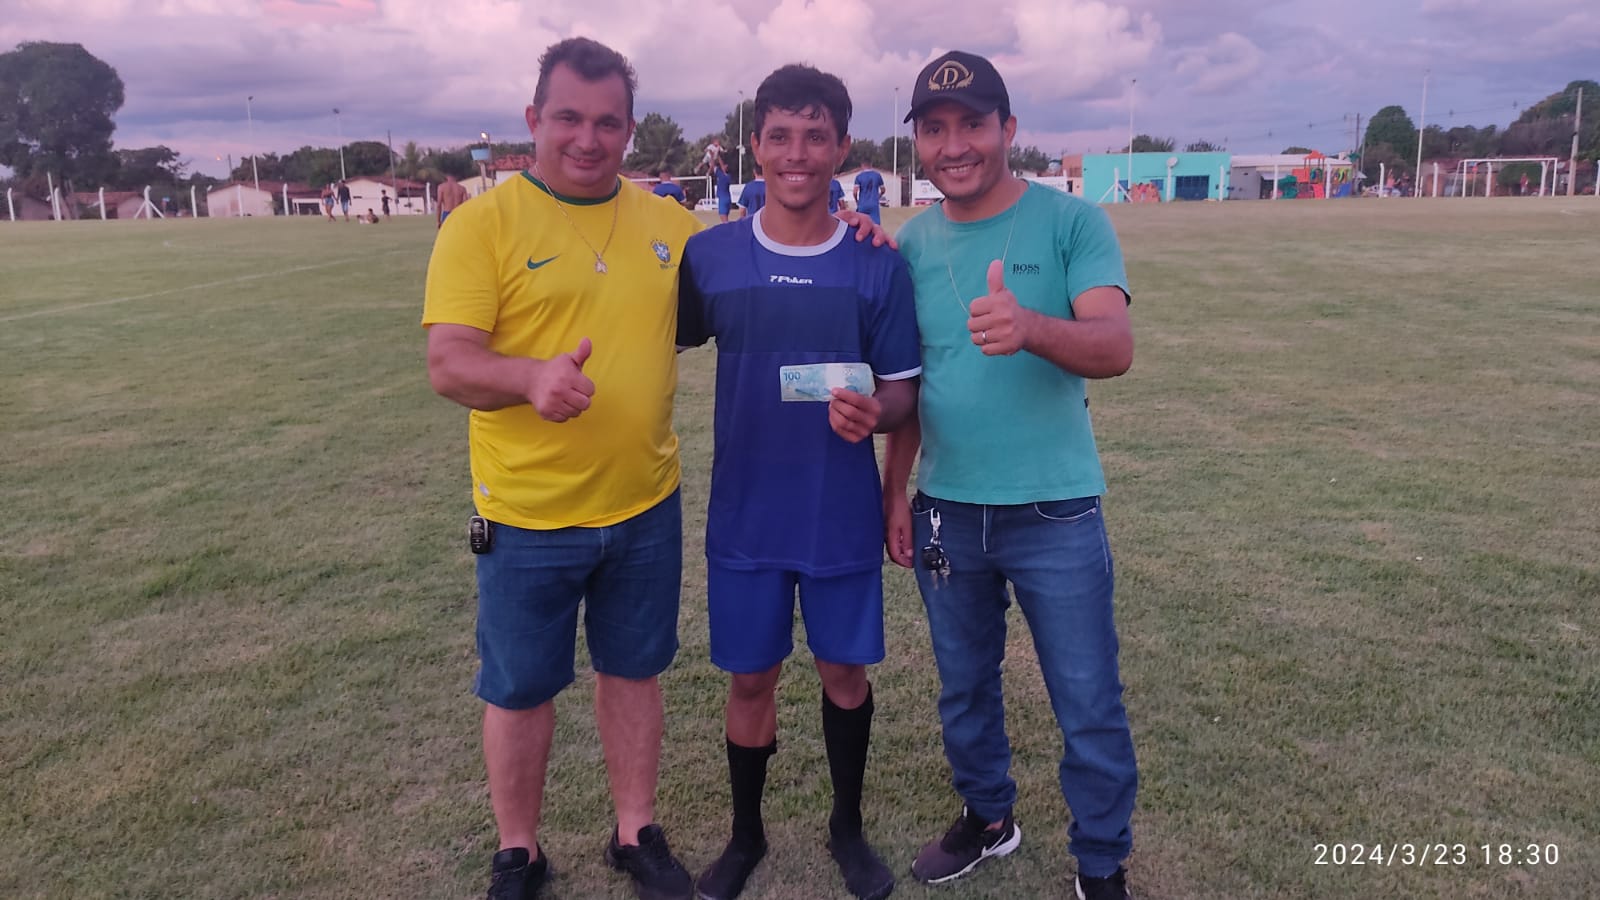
{"x":663,"y":252}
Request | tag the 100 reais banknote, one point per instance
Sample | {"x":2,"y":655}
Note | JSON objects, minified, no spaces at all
{"x":816,"y":382}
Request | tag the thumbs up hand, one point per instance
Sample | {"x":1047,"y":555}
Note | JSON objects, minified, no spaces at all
{"x":560,"y":391}
{"x":999,"y":325}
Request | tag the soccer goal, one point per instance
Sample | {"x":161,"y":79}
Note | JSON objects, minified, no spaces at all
{"x":1469,"y":169}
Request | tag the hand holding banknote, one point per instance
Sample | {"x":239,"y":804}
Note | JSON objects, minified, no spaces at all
{"x":853,"y":416}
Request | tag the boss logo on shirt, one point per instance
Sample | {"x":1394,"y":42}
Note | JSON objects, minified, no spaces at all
{"x":788,"y":279}
{"x":1025,"y":268}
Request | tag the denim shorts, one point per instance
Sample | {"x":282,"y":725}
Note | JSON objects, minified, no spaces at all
{"x":752,"y":617}
{"x":531,"y":583}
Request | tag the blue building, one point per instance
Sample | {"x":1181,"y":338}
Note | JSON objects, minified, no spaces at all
{"x":1156,"y":176}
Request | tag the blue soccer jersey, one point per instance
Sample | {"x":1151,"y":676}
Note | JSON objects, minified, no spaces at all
{"x":753,"y":197}
{"x":786,"y":491}
{"x":669,"y":189}
{"x":835,"y":194}
{"x":869,"y":183}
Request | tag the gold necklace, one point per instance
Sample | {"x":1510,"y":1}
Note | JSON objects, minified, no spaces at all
{"x":599,"y":255}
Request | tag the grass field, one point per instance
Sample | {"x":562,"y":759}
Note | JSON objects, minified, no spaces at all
{"x":1355,"y":502}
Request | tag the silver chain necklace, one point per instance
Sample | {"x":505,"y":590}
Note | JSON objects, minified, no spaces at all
{"x":955,"y":291}
{"x":599,"y":255}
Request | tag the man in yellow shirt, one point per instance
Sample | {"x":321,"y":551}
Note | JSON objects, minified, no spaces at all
{"x":551,"y":311}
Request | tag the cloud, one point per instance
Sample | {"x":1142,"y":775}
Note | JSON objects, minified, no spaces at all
{"x":1222,"y":65}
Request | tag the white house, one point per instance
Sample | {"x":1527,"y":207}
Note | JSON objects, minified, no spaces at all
{"x":237,"y":199}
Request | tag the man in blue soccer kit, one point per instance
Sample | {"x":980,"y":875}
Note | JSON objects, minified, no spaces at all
{"x":669,"y":188}
{"x":869,"y":194}
{"x":795,"y":501}
{"x":835,"y":195}
{"x":753,"y":197}
{"x":725,"y":191}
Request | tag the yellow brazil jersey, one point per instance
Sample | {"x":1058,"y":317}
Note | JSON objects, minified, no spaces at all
{"x":510,"y":263}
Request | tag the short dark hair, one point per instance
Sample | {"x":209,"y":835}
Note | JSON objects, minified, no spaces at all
{"x":805,"y":91}
{"x":592,"y":61}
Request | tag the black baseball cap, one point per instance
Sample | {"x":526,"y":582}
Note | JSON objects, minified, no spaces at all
{"x":964,"y":78}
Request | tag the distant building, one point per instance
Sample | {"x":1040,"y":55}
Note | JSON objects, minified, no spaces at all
{"x":119,"y":204}
{"x":237,"y":198}
{"x":1157,"y":177}
{"x":1296,"y":175}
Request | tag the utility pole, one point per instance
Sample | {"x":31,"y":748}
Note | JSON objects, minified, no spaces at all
{"x":339,"y":121}
{"x":1422,"y":131}
{"x":894,"y":148}
{"x":1572,"y":163}
{"x":249,"y":118}
{"x":1132,"y":86}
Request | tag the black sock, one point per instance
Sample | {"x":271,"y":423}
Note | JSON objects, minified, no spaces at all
{"x":847,"y":732}
{"x":747,"y":773}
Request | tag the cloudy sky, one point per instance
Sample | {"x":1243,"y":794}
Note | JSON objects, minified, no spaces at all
{"x":1258,"y":74}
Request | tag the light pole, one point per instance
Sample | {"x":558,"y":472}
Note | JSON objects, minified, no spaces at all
{"x":741,"y":137}
{"x":1416,"y":180}
{"x":339,"y":121}
{"x":1132,"y":86}
{"x":251,"y":120}
{"x":488,"y":146}
{"x":894,"y":148}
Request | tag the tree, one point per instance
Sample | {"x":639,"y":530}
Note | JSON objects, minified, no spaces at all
{"x":1027,"y":159}
{"x":1144,"y":143}
{"x":1203,"y":147}
{"x":658,"y":146}
{"x":366,"y":158}
{"x":146,"y":166}
{"x":1394,"y":162}
{"x":863,"y":153}
{"x":1298,"y":151}
{"x":56,"y":104}
{"x":1393,"y":127}
{"x":436,"y":164}
{"x":731,"y":139}
{"x":267,"y":166}
{"x":410,"y":161}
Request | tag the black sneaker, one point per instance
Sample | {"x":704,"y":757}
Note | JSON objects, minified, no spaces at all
{"x":864,"y":873}
{"x":656,"y":873}
{"x":514,"y":877}
{"x":968,"y":842}
{"x":725,"y":878}
{"x":1111,"y":887}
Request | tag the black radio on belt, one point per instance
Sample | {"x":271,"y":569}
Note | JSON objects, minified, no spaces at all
{"x":480,"y":534}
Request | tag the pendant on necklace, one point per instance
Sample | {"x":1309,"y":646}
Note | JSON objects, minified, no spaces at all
{"x":599,"y":265}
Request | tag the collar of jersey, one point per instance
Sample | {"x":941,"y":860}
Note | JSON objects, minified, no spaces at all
{"x":572,"y":201}
{"x":832,"y":241}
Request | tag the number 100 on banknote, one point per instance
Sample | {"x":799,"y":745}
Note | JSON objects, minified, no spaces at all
{"x":815,"y":383}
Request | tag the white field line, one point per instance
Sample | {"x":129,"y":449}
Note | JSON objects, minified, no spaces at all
{"x":197,"y":287}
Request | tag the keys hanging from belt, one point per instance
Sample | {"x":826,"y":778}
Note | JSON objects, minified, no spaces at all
{"x":933,"y":555}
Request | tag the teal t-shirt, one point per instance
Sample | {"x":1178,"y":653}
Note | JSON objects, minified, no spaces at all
{"x":1004,"y":430}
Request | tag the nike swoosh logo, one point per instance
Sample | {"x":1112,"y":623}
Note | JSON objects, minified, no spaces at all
{"x":534,"y":265}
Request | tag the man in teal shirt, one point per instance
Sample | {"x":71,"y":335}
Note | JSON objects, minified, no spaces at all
{"x":1021,"y":297}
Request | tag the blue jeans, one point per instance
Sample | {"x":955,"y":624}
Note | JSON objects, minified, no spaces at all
{"x":1056,"y":556}
{"x":530,"y":585}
